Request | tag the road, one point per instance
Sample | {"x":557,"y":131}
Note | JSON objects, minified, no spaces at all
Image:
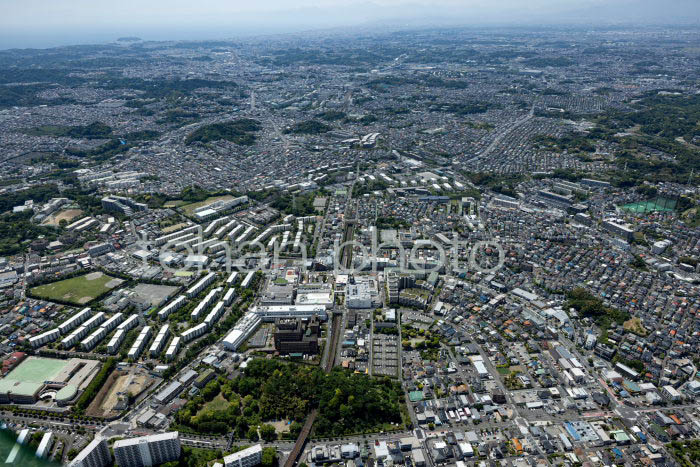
{"x":505,"y":132}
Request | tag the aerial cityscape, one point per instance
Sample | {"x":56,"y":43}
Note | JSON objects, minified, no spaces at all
{"x":397,"y":246}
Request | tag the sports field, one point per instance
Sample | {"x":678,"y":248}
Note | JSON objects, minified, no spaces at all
{"x":660,"y":204}
{"x":77,"y":290}
{"x":37,"y":370}
{"x":67,"y":215}
{"x":189,"y":208}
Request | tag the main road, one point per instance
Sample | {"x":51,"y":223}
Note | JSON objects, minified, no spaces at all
{"x":505,"y":132}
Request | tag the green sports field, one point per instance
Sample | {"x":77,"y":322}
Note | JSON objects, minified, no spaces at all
{"x":77,"y":290}
{"x":37,"y":370}
{"x":655,"y":205}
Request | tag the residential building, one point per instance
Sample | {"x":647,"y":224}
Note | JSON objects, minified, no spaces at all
{"x":147,"y":450}
{"x":248,"y":457}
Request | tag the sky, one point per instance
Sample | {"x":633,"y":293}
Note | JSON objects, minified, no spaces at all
{"x":45,"y":23}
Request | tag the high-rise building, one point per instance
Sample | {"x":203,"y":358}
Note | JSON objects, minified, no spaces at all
{"x":95,"y":454}
{"x":248,"y":457}
{"x":147,"y":450}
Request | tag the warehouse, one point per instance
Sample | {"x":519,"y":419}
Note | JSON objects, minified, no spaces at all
{"x":169,"y":393}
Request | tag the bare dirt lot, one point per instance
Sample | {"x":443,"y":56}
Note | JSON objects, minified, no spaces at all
{"x":68,"y":215}
{"x":119,"y":383}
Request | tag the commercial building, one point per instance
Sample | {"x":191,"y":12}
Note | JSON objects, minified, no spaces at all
{"x":363,"y":293}
{"x":243,"y":329}
{"x":147,"y":450}
{"x":324,"y":298}
{"x":297,"y":336}
{"x":278,"y":294}
{"x":481,"y":369}
{"x":272,"y":313}
{"x":217,"y":207}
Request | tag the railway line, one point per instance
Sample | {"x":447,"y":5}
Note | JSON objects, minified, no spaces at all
{"x":332,"y":351}
{"x":328,"y":366}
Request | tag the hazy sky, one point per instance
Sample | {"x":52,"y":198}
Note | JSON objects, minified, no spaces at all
{"x":40,"y":23}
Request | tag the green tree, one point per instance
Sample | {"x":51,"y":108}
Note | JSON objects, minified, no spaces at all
{"x":268,"y":433}
{"x":269,"y":457}
{"x":252,"y":433}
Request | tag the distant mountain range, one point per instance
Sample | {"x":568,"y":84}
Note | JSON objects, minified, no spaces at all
{"x":520,"y":12}
{"x":368,"y":14}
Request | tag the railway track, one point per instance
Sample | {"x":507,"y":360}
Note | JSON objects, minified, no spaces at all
{"x":335,"y":332}
{"x":330,"y":363}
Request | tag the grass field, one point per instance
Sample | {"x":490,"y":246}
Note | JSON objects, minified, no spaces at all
{"x":635,"y":325}
{"x":189,"y":208}
{"x":216,"y":404}
{"x":78,"y":290}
